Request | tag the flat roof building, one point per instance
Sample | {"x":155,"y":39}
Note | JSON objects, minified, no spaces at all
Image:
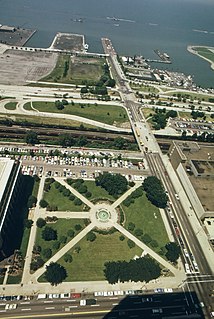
{"x":10,"y":174}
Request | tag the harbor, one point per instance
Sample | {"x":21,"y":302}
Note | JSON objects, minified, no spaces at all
{"x":164,"y":57}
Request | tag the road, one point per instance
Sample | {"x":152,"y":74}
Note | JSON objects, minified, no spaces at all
{"x":157,"y":164}
{"x":132,"y":306}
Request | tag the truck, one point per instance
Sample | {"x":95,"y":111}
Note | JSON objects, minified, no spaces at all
{"x":87,"y":302}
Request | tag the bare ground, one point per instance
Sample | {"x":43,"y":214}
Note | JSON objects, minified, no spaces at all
{"x":17,"y":67}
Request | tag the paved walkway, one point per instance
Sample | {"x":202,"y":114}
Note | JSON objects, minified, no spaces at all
{"x":67,"y":214}
{"x":126,"y":194}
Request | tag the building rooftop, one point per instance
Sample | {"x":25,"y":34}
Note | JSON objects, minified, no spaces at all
{"x":6,"y":165}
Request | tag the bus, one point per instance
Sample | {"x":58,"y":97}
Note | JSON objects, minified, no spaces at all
{"x":138,"y":133}
{"x":141,"y":143}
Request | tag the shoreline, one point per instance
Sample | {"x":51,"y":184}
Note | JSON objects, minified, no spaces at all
{"x":190,"y":48}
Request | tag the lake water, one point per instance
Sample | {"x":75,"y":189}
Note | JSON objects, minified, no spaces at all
{"x":168,"y":25}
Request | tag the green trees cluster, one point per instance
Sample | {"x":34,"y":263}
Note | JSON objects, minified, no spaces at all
{"x":66,"y":68}
{"x":196,"y":114}
{"x":160,"y":117}
{"x":115,"y":184}
{"x":131,"y":198}
{"x":78,"y":184}
{"x":69,"y":140}
{"x":31,"y":137}
{"x":141,"y":269}
{"x":60,"y":105}
{"x":155,"y":191}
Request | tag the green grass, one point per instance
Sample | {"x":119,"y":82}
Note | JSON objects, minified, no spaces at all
{"x":45,"y":120}
{"x":144,"y":88}
{"x":62,"y":226}
{"x":142,"y":214}
{"x":55,"y":198}
{"x":11,"y":105}
{"x":97,"y":191}
{"x":147,"y":111}
{"x":205,"y":52}
{"x":24,"y":243}
{"x":27,"y":106}
{"x":89,"y":263}
{"x":80,"y":69}
{"x":194,"y":96}
{"x":14,"y":279}
{"x":108,"y":114}
{"x":35,"y":188}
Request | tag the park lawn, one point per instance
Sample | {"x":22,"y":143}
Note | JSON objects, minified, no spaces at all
{"x":35,"y":188}
{"x":14,"y":279}
{"x":147,"y":111}
{"x":205,"y":52}
{"x":80,"y":69}
{"x":24,"y":243}
{"x":45,"y":120}
{"x":142,"y":213}
{"x":193,"y":95}
{"x":144,"y":88}
{"x":55,"y":198}
{"x":108,"y":114}
{"x":89,"y":263}
{"x":97,"y":191}
{"x":27,"y":106}
{"x":62,"y":226}
{"x":11,"y":105}
{"x":187,"y":115}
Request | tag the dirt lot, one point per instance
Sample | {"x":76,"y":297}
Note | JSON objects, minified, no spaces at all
{"x":67,"y":41}
{"x":17,"y":67}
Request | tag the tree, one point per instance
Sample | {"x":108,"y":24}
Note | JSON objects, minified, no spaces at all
{"x":68,"y":258}
{"x":77,"y":202}
{"x":155,"y":191}
{"x":47,"y":253}
{"x":49,"y":234}
{"x":70,"y":233}
{"x":114,"y":184}
{"x":40,"y":222}
{"x":28,"y":223}
{"x":130,"y":243}
{"x":173,"y":251}
{"x":131,"y":226}
{"x":56,"y":245}
{"x":122,"y":237}
{"x":43,"y":203}
{"x":84,"y":90}
{"x":55,"y":273}
{"x":91,"y":236}
{"x":31,"y":138}
{"x":31,"y":201}
{"x":63,"y":239}
{"x":78,"y":227}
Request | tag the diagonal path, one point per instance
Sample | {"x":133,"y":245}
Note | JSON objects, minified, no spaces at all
{"x":162,"y":261}
{"x":76,"y":193}
{"x":62,"y":251}
{"x":126,"y":194}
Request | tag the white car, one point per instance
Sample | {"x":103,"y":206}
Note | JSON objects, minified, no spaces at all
{"x":10,"y":306}
{"x":82,"y":302}
{"x":177,"y":197}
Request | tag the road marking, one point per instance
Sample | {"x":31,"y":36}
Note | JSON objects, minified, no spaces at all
{"x":71,"y":300}
{"x":2,"y":310}
{"x":95,"y":305}
{"x":25,"y":303}
{"x":115,"y":304}
{"x":49,"y":308}
{"x":113,"y":298}
{"x":26,"y":309}
{"x":48,"y":301}
{"x":2,"y":304}
{"x":73,"y":306}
